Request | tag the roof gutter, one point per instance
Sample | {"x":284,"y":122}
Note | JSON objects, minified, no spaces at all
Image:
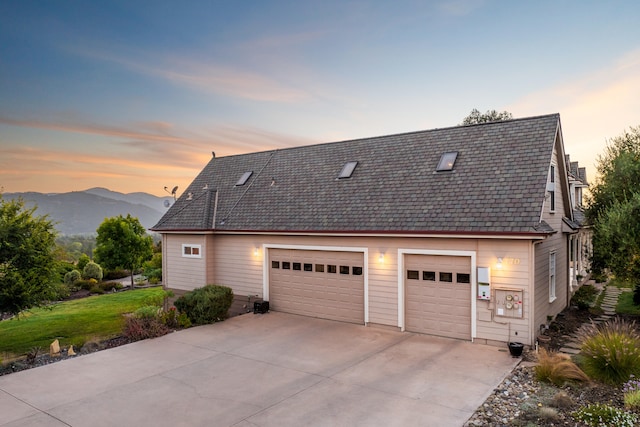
{"x":370,"y":233}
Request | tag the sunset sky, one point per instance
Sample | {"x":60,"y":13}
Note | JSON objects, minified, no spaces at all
{"x":135,"y":95}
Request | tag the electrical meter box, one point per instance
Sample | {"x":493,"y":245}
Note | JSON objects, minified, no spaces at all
{"x":484,"y":283}
{"x":509,"y":303}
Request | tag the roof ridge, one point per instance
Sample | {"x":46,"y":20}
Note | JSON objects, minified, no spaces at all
{"x":390,"y":135}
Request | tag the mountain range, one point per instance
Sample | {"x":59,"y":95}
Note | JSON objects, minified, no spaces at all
{"x":82,"y":212}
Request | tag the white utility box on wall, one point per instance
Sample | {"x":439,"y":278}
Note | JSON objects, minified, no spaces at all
{"x":484,"y":283}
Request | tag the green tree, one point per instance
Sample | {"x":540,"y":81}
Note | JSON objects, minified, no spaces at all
{"x":476,"y":117}
{"x":613,"y":192}
{"x":27,"y":261}
{"x":122,"y":242}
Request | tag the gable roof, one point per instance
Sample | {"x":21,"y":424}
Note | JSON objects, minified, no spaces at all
{"x":497,"y":184}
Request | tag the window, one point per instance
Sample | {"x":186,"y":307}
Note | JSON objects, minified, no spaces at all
{"x":446,"y":277}
{"x":344,"y":269}
{"x":413,"y":274}
{"x":347,"y":170}
{"x":297,"y":266}
{"x":429,"y":275}
{"x":319,"y":268}
{"x":192,"y":251}
{"x":551,"y":188}
{"x":286,"y":265}
{"x":552,"y":277}
{"x":308,"y":267}
{"x":275,"y":264}
{"x":356,"y":271}
{"x":447,"y":161}
{"x":463,"y":278}
{"x":244,"y":178}
{"x":331,"y":269}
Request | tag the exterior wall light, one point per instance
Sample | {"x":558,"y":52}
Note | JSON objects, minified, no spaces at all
{"x":381,"y":258}
{"x":499,"y":263}
{"x":256,"y":251}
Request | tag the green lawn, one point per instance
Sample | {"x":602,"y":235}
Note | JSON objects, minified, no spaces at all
{"x":626,"y":306}
{"x":74,"y":322}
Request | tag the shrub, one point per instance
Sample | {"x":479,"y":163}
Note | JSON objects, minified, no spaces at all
{"x":110,"y":286}
{"x":72,"y":277}
{"x":92,"y":271}
{"x":600,"y":415}
{"x":148,"y":312}
{"x":173,"y":319}
{"x":584,"y":297}
{"x":83,"y":261}
{"x":206,"y":305}
{"x":611,"y":351}
{"x":60,"y":291}
{"x":557,"y":368}
{"x":140,"y":328}
{"x":561,"y":400}
{"x":118,"y":273}
{"x":631,"y":390}
{"x":95,"y":289}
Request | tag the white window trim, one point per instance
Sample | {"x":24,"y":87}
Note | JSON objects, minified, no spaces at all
{"x":188,"y":245}
{"x":552,"y":277}
{"x":551,"y":188}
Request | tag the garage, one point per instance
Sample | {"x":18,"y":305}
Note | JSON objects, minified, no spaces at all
{"x":438,"y":295}
{"x":315,"y":283}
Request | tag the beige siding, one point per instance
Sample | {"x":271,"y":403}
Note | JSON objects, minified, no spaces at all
{"x":181,"y":272}
{"x":239,"y":264}
{"x":557,"y":243}
{"x":232,"y":260}
{"x":515,"y":274}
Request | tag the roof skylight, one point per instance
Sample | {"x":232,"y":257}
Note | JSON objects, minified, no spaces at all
{"x":244,"y":178}
{"x":447,"y":161}
{"x":347,"y":170}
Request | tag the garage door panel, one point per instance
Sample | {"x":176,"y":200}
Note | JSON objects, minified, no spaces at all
{"x":432,"y":304}
{"x":317,"y":293}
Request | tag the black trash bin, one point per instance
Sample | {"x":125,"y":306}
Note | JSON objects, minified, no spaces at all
{"x":515,"y":349}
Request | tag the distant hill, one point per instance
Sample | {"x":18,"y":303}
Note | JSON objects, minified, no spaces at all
{"x":82,"y":212}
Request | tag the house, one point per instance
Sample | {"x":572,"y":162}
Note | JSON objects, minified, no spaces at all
{"x":461,"y":232}
{"x":580,"y":247}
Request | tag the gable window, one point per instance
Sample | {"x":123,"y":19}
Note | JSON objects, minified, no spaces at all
{"x":447,"y":161}
{"x":551,"y":188}
{"x":347,"y":170}
{"x":192,"y":251}
{"x":244,"y":178}
{"x":552,"y":277}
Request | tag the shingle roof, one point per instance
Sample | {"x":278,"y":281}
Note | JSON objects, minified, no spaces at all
{"x":497,"y":184}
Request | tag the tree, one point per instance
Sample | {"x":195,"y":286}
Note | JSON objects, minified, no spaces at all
{"x":476,"y":117}
{"x":122,"y":243}
{"x":614,"y":192}
{"x":27,"y":261}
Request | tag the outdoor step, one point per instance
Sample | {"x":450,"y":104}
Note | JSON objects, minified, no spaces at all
{"x":574,"y":345}
{"x":568,"y":350}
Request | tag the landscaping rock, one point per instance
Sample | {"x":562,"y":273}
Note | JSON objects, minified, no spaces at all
{"x":54,"y":349}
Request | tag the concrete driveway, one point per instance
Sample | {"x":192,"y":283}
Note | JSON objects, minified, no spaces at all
{"x":274,"y":369}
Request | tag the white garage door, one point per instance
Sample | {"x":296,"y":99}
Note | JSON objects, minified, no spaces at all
{"x":324,"y":284}
{"x":438,"y":295}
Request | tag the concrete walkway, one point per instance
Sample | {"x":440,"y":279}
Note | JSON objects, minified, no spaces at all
{"x":262,"y":370}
